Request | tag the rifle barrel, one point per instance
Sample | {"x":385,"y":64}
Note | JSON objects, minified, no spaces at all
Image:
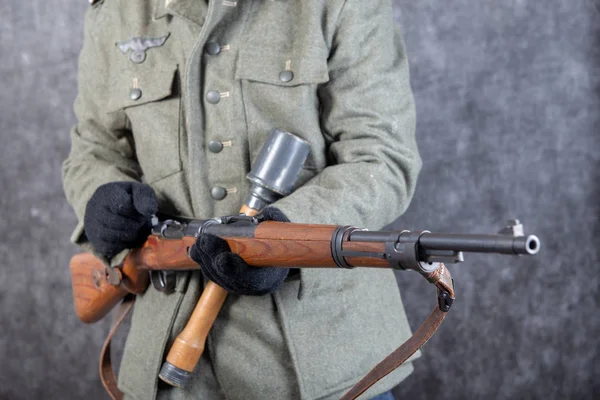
{"x":468,"y":243}
{"x":501,"y":244}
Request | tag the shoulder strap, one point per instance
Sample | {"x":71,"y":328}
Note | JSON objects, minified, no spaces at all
{"x":441,"y":278}
{"x":443,"y":281}
{"x":107,"y":374}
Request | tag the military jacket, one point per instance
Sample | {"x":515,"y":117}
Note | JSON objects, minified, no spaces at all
{"x":181,"y":94}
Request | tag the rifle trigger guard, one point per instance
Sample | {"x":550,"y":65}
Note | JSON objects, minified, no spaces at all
{"x":163,"y":281}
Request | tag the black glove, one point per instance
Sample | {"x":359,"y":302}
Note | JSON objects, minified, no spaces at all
{"x":230,"y":271}
{"x":119,"y":216}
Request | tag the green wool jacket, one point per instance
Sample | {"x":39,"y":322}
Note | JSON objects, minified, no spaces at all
{"x":161,"y":80}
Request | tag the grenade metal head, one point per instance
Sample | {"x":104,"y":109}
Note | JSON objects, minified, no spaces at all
{"x":276,"y":168}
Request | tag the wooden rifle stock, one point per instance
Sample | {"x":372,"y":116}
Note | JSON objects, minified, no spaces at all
{"x":93,"y":293}
{"x":97,"y":289}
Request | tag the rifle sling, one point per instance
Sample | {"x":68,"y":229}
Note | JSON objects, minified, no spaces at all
{"x":399,"y":356}
{"x":107,"y":374}
{"x":440,"y":278}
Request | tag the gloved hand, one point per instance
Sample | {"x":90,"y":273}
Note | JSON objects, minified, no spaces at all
{"x":230,"y":271}
{"x":119,"y":216}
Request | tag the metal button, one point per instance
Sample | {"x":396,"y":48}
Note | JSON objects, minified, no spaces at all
{"x":212,"y":48}
{"x":215,"y":146}
{"x":135,"y":94}
{"x":213,"y":97}
{"x":218,"y":193}
{"x":286,"y":76}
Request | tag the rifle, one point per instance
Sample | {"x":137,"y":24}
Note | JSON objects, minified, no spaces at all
{"x":97,"y":289}
{"x":291,"y":245}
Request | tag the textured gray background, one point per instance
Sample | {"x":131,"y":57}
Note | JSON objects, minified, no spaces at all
{"x":508,"y":97}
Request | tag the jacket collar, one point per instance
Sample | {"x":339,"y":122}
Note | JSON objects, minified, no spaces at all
{"x":160,"y":9}
{"x":193,"y":10}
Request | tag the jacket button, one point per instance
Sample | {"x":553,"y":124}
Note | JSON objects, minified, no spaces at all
{"x":212,"y":48}
{"x":218,"y":193}
{"x":286,"y":76}
{"x":215,"y":146}
{"x":213,"y":97}
{"x":135,"y":94}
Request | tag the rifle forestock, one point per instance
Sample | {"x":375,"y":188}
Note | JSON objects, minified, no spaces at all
{"x":268,"y":244}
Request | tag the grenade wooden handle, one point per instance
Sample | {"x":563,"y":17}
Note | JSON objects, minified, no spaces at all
{"x":273,"y":175}
{"x":189,"y":345}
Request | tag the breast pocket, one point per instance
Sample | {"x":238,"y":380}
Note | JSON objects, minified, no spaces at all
{"x":279,"y":90}
{"x":151,"y":100}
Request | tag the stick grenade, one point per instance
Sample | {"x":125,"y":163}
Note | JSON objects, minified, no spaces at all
{"x":273,"y":176}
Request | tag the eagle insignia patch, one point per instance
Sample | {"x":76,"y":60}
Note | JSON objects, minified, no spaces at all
{"x":139,"y":45}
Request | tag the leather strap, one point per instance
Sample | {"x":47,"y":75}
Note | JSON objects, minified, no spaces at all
{"x":107,"y":374}
{"x":441,"y":278}
{"x":443,"y":281}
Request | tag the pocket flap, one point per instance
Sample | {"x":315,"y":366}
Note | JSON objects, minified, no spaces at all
{"x":153,"y":84}
{"x":267,"y":67}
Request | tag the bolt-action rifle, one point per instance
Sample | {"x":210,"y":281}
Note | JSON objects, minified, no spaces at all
{"x":97,"y":289}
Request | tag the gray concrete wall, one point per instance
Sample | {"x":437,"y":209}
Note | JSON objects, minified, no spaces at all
{"x":509,"y":112}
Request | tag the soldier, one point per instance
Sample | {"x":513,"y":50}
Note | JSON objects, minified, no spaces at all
{"x":175,"y":100}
